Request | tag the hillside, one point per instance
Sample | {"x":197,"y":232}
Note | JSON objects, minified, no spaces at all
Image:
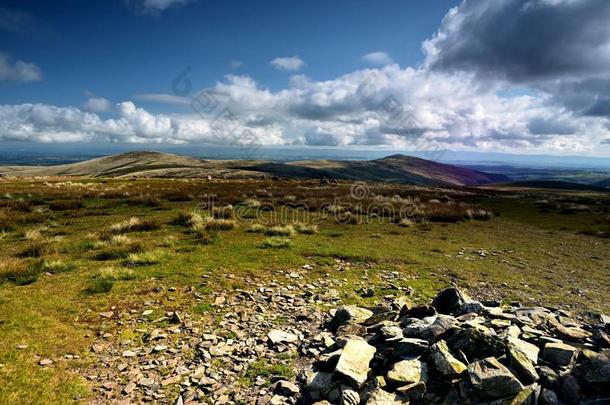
{"x":396,"y":169}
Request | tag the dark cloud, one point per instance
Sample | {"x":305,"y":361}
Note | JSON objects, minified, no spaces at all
{"x":524,"y":40}
{"x":601,"y":108}
{"x":559,"y":47}
{"x":607,"y":141}
{"x":546,"y":126}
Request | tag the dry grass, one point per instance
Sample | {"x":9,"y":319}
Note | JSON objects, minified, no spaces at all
{"x":116,"y":274}
{"x":135,"y":225}
{"x":257,"y":228}
{"x":280,"y":230}
{"x":307,"y":229}
{"x":17,"y":272}
{"x":56,"y":266}
{"x":145,"y":258}
{"x":213,"y":224}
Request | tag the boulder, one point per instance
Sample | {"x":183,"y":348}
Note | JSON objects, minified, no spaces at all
{"x":559,"y":354}
{"x":381,"y":397}
{"x":476,"y":344}
{"x":520,"y":362}
{"x":408,"y":372}
{"x":410,"y":347}
{"x":277,"y":337}
{"x":353,"y":364}
{"x":530,"y":350}
{"x":444,"y":361}
{"x":493,"y":380}
{"x":450,"y":300}
{"x":349,"y":314}
{"x":595,"y":372}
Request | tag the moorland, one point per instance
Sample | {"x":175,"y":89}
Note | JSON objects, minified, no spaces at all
{"x":95,"y":268}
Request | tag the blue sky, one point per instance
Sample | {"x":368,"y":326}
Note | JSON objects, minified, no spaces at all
{"x":387,"y":74}
{"x":109,"y":49}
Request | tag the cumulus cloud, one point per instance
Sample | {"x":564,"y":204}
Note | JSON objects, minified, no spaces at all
{"x":561,"y":47}
{"x":524,"y":39}
{"x":378,"y":58}
{"x":97,"y":104}
{"x":404,"y":108}
{"x":291,"y":63}
{"x":18,"y":71}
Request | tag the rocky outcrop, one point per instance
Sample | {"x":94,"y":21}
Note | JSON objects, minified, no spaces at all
{"x":457,"y":351}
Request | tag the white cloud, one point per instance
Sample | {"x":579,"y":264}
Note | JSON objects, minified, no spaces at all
{"x":165,"y":98}
{"x":378,"y":58}
{"x":97,"y":105}
{"x":18,"y":71}
{"x":402,"y":108}
{"x":291,"y":63}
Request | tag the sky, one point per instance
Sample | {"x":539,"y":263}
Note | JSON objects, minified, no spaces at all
{"x":516,"y":76}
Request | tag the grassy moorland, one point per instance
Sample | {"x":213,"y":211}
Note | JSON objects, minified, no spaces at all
{"x":70,"y":249}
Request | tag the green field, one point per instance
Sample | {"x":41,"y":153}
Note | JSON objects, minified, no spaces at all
{"x":69,"y":250}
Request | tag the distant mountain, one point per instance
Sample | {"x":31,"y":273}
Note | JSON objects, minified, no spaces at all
{"x":603,"y":183}
{"x":395,"y":168}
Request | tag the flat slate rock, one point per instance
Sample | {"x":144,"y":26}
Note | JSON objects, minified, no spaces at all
{"x":353,"y":364}
{"x":492,"y":379}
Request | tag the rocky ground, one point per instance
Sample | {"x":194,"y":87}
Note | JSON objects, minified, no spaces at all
{"x":289,"y":342}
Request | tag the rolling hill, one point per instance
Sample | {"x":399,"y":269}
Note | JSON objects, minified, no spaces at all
{"x":396,"y":168}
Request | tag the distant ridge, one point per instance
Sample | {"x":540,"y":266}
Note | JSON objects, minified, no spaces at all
{"x":396,"y":168}
{"x":556,"y":185}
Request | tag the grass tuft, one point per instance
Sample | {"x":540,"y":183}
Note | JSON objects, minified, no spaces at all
{"x":307,"y":229}
{"x":276,"y":242}
{"x":99,"y":286}
{"x":280,"y":230}
{"x":144,"y":258}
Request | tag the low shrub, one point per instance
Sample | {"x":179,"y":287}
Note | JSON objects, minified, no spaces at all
{"x":276,"y":242}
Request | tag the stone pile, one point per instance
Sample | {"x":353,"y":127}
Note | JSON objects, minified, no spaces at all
{"x":456,"y":351}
